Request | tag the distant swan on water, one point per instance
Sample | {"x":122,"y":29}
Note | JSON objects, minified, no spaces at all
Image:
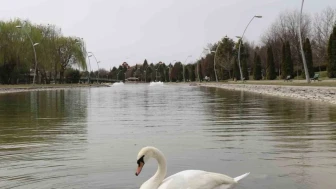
{"x":118,"y":83}
{"x":159,"y":83}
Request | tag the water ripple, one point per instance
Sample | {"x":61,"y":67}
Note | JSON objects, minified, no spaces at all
{"x":89,"y":138}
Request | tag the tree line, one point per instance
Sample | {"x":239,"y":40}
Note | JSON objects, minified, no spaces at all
{"x":276,"y":57}
{"x":56,"y":54}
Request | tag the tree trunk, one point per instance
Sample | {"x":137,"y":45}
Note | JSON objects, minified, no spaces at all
{"x":61,"y":80}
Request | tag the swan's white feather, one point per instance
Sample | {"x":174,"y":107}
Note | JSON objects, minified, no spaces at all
{"x":236,"y":179}
{"x":196,"y":179}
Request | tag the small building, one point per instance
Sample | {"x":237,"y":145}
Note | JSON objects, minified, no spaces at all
{"x":132,"y":79}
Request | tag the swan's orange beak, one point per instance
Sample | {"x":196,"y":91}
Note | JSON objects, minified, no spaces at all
{"x":139,"y":168}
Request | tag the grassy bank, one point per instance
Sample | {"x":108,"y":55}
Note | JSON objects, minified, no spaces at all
{"x":43,"y":86}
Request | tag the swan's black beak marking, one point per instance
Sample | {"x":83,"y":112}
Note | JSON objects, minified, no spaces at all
{"x":141,"y":160}
{"x":140,"y":163}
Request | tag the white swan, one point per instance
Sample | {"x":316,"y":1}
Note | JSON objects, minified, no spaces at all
{"x":189,"y":179}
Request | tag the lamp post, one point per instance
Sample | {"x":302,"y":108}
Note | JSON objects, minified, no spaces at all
{"x":240,"y":42}
{"x":33,"y":44}
{"x":302,"y":52}
{"x":183,"y":66}
{"x":91,"y":54}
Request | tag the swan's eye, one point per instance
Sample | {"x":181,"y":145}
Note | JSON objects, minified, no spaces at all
{"x":141,"y":160}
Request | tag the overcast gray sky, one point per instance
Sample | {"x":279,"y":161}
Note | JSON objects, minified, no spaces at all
{"x":158,"y":30}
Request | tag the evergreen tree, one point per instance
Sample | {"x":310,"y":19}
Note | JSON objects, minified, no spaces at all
{"x":192,"y":75}
{"x":289,"y":59}
{"x":309,"y":58}
{"x":200,"y":72}
{"x":145,"y":64}
{"x":331,"y":65}
{"x":287,"y":63}
{"x":146,"y":70}
{"x":244,"y":57}
{"x":283,"y":62}
{"x":257,"y":67}
{"x":270,"y":70}
{"x":236,"y":72}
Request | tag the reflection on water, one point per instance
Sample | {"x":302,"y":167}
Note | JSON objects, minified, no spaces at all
{"x":89,"y":138}
{"x":41,"y":135}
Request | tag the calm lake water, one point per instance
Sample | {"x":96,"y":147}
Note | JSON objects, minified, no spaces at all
{"x":89,"y":138}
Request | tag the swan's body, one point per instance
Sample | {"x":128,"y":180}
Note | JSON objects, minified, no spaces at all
{"x":189,"y":179}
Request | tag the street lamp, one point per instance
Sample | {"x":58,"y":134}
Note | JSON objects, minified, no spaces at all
{"x":33,"y":44}
{"x":240,"y":42}
{"x":91,"y":54}
{"x":183,"y":66}
{"x":302,"y":52}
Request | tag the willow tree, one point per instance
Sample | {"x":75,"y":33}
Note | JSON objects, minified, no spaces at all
{"x":15,"y":52}
{"x":54,"y":51}
{"x":70,"y":53}
{"x":48,"y":56}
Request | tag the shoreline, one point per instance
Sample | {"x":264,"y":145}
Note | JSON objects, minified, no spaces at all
{"x":317,"y":94}
{"x":5,"y":89}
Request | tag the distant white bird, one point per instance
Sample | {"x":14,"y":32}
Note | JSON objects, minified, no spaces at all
{"x":159,"y":83}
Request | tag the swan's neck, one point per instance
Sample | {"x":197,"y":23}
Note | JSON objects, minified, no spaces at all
{"x":162,"y":168}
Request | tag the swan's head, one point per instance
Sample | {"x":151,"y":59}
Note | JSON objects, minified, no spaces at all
{"x":143,"y":156}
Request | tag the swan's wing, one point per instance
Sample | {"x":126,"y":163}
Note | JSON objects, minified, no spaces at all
{"x":195,"y":179}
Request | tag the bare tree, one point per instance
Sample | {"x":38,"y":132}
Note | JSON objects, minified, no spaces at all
{"x":323,"y":25}
{"x":285,"y":28}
